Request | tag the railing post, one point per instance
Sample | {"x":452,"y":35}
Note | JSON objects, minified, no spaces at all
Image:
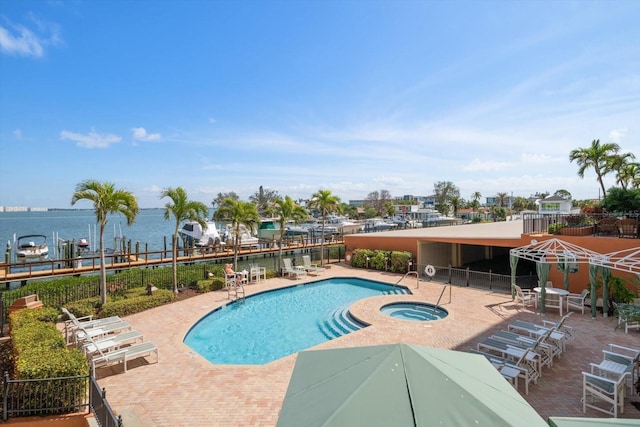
{"x":467,"y":274}
{"x":490,"y":280}
{"x":5,"y":395}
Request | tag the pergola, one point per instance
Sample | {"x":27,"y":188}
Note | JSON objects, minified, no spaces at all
{"x":568,"y":256}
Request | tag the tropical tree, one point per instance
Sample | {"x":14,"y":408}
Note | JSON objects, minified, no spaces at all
{"x":238,"y":213}
{"x":326,"y":203}
{"x":286,"y":210}
{"x":502,"y":199}
{"x":563,"y":193}
{"x":377,"y":200}
{"x":598,"y":157}
{"x":444,"y":192}
{"x":221,"y":197}
{"x":106,"y":200}
{"x":264,"y":199}
{"x":181,"y":209}
{"x":622,"y":165}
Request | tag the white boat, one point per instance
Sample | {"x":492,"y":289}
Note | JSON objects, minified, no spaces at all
{"x":343,"y":224}
{"x":195,"y":235}
{"x":32,"y":247}
{"x":378,"y":224}
{"x":246,"y":239}
{"x":269,"y":229}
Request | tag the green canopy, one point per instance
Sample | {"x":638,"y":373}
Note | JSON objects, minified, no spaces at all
{"x":400,"y":385}
{"x":591,"y":422}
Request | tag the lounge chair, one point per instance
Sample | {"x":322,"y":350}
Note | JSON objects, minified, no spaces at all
{"x":309,"y":267}
{"x":606,"y":390}
{"x":507,"y":351}
{"x":123,"y":355}
{"x":110,"y":342}
{"x":560,"y":333}
{"x":72,"y":323}
{"x":550,"y":349}
{"x":82,"y":334}
{"x":507,"y":367}
{"x":577,"y":300}
{"x":525,"y":297}
{"x":288,"y":270}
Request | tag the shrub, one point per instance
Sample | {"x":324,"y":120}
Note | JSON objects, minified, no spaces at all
{"x":136,"y":303}
{"x":555,"y":228}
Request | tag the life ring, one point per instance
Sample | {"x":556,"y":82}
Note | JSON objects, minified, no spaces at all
{"x":430,"y":270}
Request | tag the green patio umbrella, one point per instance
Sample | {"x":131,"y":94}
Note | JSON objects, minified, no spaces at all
{"x":400,"y":385}
{"x":591,"y":422}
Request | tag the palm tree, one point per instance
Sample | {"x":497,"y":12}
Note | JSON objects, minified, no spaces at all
{"x":619,"y":164}
{"x":476,"y":195}
{"x":182,"y":209}
{"x":598,"y":157}
{"x":502,"y":198}
{"x":286,"y":210}
{"x":238,"y":213}
{"x":326,"y":203}
{"x":106,"y":200}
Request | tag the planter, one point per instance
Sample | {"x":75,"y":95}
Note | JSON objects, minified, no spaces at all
{"x":577,"y":231}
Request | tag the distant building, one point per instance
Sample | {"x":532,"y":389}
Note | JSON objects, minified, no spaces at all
{"x":554,"y":205}
{"x":22,"y":209}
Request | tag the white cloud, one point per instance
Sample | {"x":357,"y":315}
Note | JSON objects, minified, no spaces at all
{"x":616,"y":135}
{"x":140,"y":134}
{"x":477,"y":165}
{"x":20,"y":40}
{"x":91,"y":140}
{"x":17,"y":133}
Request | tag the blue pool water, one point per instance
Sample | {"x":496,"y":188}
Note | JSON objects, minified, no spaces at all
{"x":417,"y":311}
{"x":271,"y":325}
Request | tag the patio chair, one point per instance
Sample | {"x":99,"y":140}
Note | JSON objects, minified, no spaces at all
{"x":560,"y":333}
{"x":628,"y":315}
{"x":509,"y":369}
{"x":82,"y":334}
{"x":72,"y":323}
{"x":90,"y":346}
{"x":309,"y":267}
{"x":577,"y":300}
{"x":288,"y":270}
{"x":508,"y":351}
{"x":609,"y":392}
{"x":607,"y":226}
{"x":525,"y":297}
{"x":625,"y":356}
{"x":123,"y":355}
{"x":257,"y":273}
{"x":628,"y":227}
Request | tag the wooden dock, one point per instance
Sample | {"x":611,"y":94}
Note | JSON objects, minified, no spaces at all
{"x":78,"y":266}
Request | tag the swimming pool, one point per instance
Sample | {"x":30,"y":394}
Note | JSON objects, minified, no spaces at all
{"x":270,"y":325}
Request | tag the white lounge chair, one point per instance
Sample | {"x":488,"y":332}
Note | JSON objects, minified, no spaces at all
{"x":123,"y":355}
{"x":111,"y":342}
{"x":73,"y":323}
{"x":309,"y":267}
{"x":288,"y":270}
{"x":82,"y":334}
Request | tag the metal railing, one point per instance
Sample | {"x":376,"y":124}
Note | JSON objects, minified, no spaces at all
{"x":100,"y":406}
{"x":625,"y":224}
{"x":465,"y":277}
{"x":54,"y":396}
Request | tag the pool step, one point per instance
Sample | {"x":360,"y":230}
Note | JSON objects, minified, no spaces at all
{"x":396,"y":291}
{"x":339,"y":323}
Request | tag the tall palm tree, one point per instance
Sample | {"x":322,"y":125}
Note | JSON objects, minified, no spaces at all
{"x":182,"y":209}
{"x":502,"y":198}
{"x":476,"y":195}
{"x":630,"y":175}
{"x":619,"y":163}
{"x":286,"y":210}
{"x":106,"y":200}
{"x":597,"y":156}
{"x":238,"y":213}
{"x":326,"y":203}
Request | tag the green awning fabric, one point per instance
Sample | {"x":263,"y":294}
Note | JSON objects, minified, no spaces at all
{"x":400,"y":385}
{"x":591,"y":422}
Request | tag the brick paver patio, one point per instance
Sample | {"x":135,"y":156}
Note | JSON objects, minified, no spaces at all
{"x":183,"y":389}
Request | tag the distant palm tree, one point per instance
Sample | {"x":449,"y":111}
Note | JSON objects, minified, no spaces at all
{"x":106,"y":200}
{"x":238,"y":213}
{"x":502,"y":199}
{"x":630,"y":175}
{"x":326,"y":203}
{"x":619,"y":164}
{"x":286,"y":210}
{"x":598,"y":157}
{"x":182,"y":209}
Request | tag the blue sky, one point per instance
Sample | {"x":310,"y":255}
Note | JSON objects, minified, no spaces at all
{"x":297,"y":96}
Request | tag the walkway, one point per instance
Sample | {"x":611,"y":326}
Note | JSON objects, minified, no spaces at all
{"x":183,"y":389}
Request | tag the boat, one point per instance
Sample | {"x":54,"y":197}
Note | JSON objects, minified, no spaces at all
{"x":343,"y":224}
{"x":83,"y":243}
{"x":269,"y":229}
{"x":195,"y":235}
{"x":32,"y":247}
{"x":246,"y":239}
{"x":379,"y":224}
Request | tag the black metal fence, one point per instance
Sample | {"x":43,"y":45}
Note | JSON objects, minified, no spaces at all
{"x":53,"y":396}
{"x":625,"y":224}
{"x":100,"y":406}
